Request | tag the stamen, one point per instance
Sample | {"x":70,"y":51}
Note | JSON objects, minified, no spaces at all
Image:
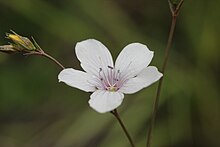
{"x":100,"y":69}
{"x":110,"y":67}
{"x":110,"y":74}
{"x":117,"y":76}
{"x":109,"y":78}
{"x":99,"y":84}
{"x":104,"y":78}
{"x":109,"y":84}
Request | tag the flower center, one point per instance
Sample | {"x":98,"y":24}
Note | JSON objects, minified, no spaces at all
{"x":112,"y":88}
{"x":109,"y":79}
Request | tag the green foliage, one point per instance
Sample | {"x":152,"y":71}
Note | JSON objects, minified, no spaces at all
{"x":36,"y":110}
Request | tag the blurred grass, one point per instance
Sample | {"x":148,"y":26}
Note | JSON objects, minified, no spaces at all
{"x":36,"y":110}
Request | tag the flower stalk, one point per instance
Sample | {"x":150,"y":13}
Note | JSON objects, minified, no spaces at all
{"x":115,"y":113}
{"x":175,"y":9}
{"x":42,"y":53}
{"x":20,"y":44}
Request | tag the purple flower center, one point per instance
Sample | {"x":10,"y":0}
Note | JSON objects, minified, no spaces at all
{"x":109,"y":79}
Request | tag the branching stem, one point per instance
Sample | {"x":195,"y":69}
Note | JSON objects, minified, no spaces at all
{"x":174,"y":11}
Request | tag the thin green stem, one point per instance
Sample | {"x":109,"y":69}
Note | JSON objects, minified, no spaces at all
{"x":115,"y":113}
{"x":174,"y":12}
{"x":42,"y":53}
{"x":53,"y":59}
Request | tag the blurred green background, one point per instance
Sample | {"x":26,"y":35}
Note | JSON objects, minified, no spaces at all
{"x":37,"y":111}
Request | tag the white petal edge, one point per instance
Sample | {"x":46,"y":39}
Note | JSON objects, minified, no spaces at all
{"x":104,"y":101}
{"x":77,"y":79}
{"x":133,"y":59}
{"x":146,"y":77}
{"x":93,"y":55}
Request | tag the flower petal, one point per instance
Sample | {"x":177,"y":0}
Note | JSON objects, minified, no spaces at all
{"x":77,"y":79}
{"x":133,"y":59}
{"x":104,"y":101}
{"x":146,"y":77}
{"x":93,"y":55}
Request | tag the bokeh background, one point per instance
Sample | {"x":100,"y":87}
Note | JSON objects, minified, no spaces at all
{"x":37,"y":111}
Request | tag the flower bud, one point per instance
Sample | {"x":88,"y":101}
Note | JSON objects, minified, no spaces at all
{"x":7,"y":49}
{"x":20,"y":43}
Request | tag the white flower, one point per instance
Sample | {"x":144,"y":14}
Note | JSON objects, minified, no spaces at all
{"x":109,"y":83}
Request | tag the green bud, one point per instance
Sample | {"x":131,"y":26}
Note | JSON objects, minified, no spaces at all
{"x":20,"y":43}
